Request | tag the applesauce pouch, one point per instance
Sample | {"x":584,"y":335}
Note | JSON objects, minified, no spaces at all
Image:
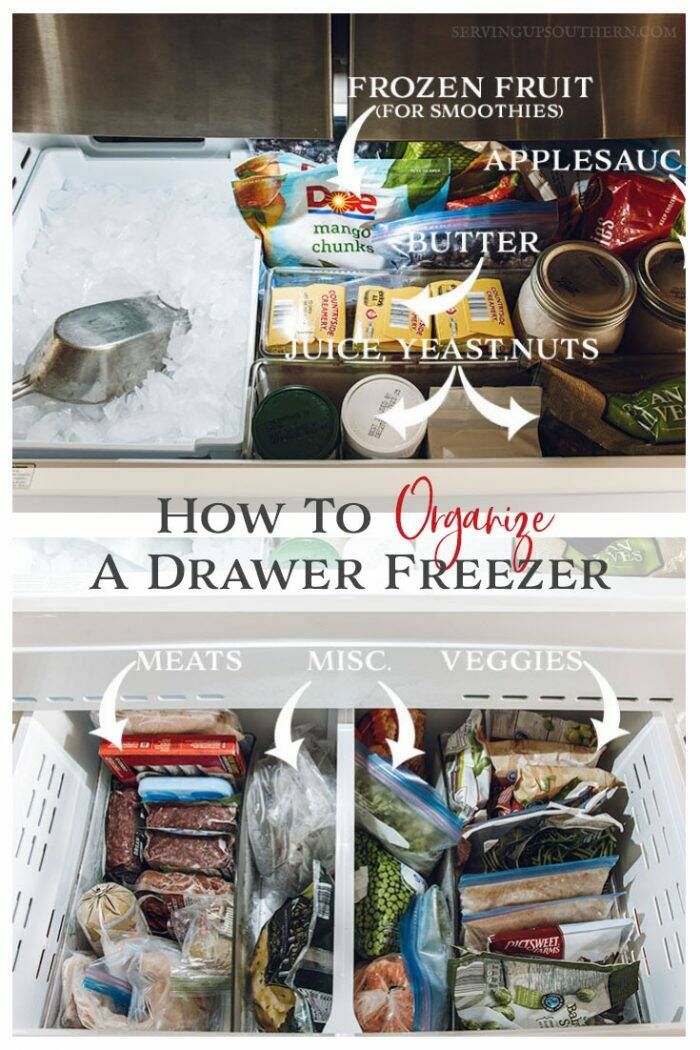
{"x":481,"y":314}
{"x":383,"y":317}
{"x":310,"y":317}
{"x":306,"y":219}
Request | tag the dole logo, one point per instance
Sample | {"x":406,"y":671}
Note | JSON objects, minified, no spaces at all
{"x":321,"y":200}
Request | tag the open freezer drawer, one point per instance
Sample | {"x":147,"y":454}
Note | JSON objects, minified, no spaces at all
{"x":55,"y":756}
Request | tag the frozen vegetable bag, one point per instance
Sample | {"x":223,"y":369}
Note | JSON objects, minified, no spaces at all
{"x":407,"y":815}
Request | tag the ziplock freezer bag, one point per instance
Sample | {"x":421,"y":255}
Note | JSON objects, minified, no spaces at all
{"x":292,"y":967}
{"x":291,"y":817}
{"x":458,"y":239}
{"x":500,"y":991}
{"x":304,"y":219}
{"x":407,"y":815}
{"x":535,"y":839}
{"x":548,"y":882}
{"x":384,"y":888}
{"x":425,"y":936}
{"x":204,"y":931}
{"x":383,"y":996}
{"x":479,"y":926}
{"x":597,"y":942}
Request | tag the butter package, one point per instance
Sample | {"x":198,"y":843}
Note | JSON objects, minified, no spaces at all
{"x":383,"y":318}
{"x":481,"y":315}
{"x":309,"y":318}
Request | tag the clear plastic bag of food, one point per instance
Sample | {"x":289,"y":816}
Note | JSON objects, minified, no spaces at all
{"x":291,"y":814}
{"x":407,"y":815}
{"x":204,"y":930}
{"x":384,"y":888}
{"x":426,"y":938}
{"x":383,"y":996}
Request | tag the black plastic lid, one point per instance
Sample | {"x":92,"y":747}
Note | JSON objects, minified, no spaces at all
{"x":296,"y":422}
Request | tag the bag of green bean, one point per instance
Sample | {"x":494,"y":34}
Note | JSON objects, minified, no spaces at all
{"x":384,"y":888}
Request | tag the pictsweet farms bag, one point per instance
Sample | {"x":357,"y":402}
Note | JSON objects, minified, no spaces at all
{"x":306,"y":219}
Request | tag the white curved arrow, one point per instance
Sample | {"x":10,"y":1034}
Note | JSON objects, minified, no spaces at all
{"x":513,"y":418}
{"x":426,"y":305}
{"x":403,"y":748}
{"x":400,"y":418}
{"x":108,"y":726}
{"x":609,"y":728}
{"x":286,"y":749}
{"x":350,"y":175}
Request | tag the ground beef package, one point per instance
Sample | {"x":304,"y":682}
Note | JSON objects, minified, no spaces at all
{"x":160,"y":893}
{"x":208,"y":855}
{"x":204,"y":819}
{"x":122,"y":834}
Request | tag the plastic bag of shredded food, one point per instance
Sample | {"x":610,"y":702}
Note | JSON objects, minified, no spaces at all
{"x":501,"y":991}
{"x":407,"y":815}
{"x":479,"y":926}
{"x":480,"y":892}
{"x":383,"y":996}
{"x":425,"y":938}
{"x":306,"y":219}
{"x":597,"y":942}
{"x":384,"y":888}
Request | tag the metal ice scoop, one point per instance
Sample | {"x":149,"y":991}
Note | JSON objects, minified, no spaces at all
{"x":96,"y":353}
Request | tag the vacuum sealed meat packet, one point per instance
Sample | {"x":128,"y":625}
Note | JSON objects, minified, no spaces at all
{"x":204,"y":930}
{"x":95,"y":992}
{"x":404,"y":813}
{"x":190,"y":722}
{"x":291,"y":971}
{"x":539,"y":838}
{"x":597,"y":942}
{"x":161,"y":893}
{"x":292,"y":812}
{"x":426,"y":936}
{"x":383,"y":996}
{"x":508,"y":235}
{"x":381,"y":724}
{"x":501,"y":991}
{"x":177,"y":755}
{"x":384,"y":888}
{"x":123,"y":835}
{"x":208,"y":854}
{"x":483,"y":891}
{"x":109,"y":911}
{"x":202,"y":819}
{"x":477,"y":927}
{"x":305,"y":219}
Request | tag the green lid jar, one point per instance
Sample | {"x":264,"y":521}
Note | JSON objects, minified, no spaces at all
{"x":296,"y":422}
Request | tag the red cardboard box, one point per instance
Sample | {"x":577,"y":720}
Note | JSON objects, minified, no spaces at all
{"x":176,"y":755}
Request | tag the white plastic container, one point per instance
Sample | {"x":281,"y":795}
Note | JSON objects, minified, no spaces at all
{"x":368,"y":437}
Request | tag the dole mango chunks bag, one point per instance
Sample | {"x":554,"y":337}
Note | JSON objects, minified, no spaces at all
{"x":304,"y":219}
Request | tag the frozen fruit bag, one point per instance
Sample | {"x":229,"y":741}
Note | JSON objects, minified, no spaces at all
{"x":382,"y":996}
{"x":598,"y":942}
{"x":384,"y":888}
{"x":625,"y":212}
{"x":482,"y":891}
{"x":407,"y":815}
{"x":479,"y":926}
{"x":458,"y":239}
{"x":537,"y":838}
{"x":304,"y":218}
{"x":501,"y":991}
{"x":426,"y":937}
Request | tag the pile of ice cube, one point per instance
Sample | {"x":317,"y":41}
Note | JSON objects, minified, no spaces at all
{"x":101,"y":242}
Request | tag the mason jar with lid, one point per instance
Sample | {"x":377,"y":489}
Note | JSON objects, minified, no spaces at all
{"x":657,"y":322}
{"x":576,"y":290}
